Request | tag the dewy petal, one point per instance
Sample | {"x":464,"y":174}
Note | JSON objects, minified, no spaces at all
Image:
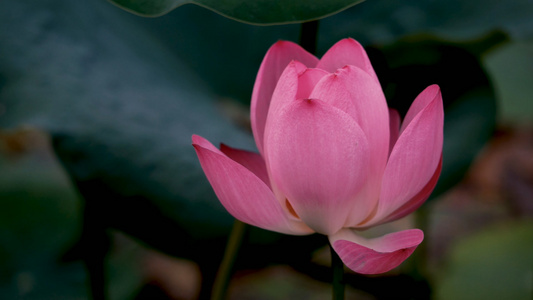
{"x":352,"y":90}
{"x":394,"y":122}
{"x":307,"y":81}
{"x":378,"y":255}
{"x":346,"y":52}
{"x":275,"y":61}
{"x":414,"y":158}
{"x":317,"y":157}
{"x":251,"y":160}
{"x":242,"y":193}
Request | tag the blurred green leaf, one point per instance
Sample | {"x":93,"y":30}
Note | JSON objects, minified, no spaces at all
{"x":380,"y":22}
{"x":33,"y":195}
{"x":125,"y":268}
{"x":121,"y":110}
{"x":224,"y":53}
{"x":510,"y":68}
{"x":469,"y":124}
{"x":265,"y":12}
{"x":39,"y":221}
{"x":494,"y":264}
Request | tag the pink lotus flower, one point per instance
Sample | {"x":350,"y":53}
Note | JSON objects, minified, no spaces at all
{"x":333,"y":158}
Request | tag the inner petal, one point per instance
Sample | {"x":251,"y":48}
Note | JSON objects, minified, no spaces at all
{"x":317,"y":157}
{"x":307,"y":81}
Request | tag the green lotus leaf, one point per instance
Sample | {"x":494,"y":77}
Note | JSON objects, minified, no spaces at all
{"x":262,"y":12}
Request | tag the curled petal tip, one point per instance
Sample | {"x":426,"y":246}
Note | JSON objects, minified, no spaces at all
{"x":200,"y":142}
{"x":434,"y":87}
{"x":346,"y":52}
{"x":378,"y":255}
{"x":194,"y":138}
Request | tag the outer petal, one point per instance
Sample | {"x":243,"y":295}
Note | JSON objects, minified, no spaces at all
{"x":275,"y":61}
{"x":417,"y":200}
{"x":375,"y":256}
{"x":421,"y":101}
{"x":242,"y":193}
{"x":346,"y":52}
{"x":251,"y":160}
{"x":415,"y":155}
{"x":317,"y":156}
{"x":352,"y":90}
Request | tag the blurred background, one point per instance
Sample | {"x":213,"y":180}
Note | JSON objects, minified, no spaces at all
{"x":98,"y":178}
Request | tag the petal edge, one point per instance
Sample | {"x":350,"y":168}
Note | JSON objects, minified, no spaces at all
{"x":378,"y":255}
{"x":275,"y":61}
{"x":347,"y":52}
{"x":244,"y":195}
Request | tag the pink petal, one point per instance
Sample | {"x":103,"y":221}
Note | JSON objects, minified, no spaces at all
{"x":288,"y":87}
{"x":346,"y":52}
{"x":307,"y":81}
{"x":414,"y":158}
{"x":421,"y":101}
{"x":317,"y":157}
{"x":352,"y":90}
{"x":394,"y":121}
{"x":200,"y":141}
{"x":276,"y":60}
{"x":242,"y":193}
{"x":378,"y":255}
{"x":417,"y":200}
{"x":251,"y":160}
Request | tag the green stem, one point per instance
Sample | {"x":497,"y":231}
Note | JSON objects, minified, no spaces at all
{"x":337,"y":268}
{"x":420,"y":256}
{"x":230,"y":255}
{"x":309,"y":36}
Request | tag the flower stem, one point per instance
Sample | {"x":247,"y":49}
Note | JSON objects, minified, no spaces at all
{"x":337,"y":268}
{"x":226,"y":267}
{"x":309,"y":36}
{"x":420,"y":257}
